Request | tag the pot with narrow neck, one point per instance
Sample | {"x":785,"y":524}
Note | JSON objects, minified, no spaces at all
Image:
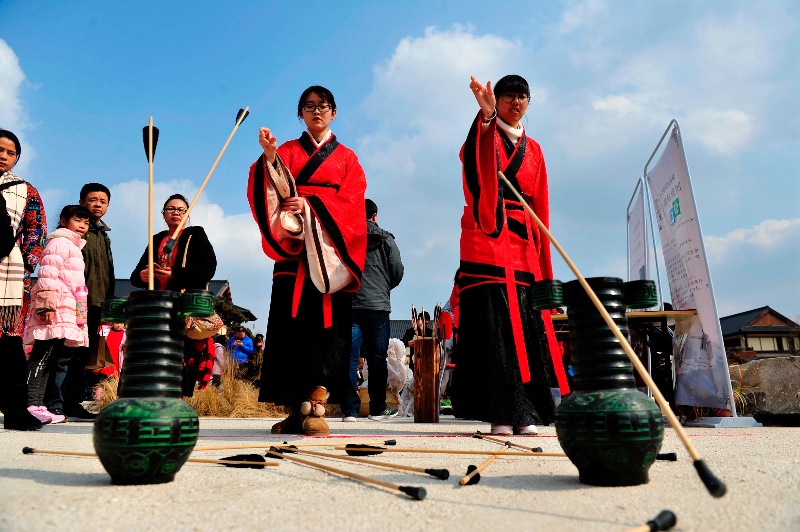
{"x":610,"y":430}
{"x":146,"y":435}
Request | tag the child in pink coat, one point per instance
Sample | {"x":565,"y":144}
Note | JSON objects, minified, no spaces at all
{"x":54,"y":325}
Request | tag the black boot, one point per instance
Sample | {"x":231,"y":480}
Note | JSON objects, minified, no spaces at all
{"x":14,"y":392}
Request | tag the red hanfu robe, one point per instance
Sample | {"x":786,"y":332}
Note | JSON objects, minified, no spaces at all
{"x":308,"y":333}
{"x":331,"y":180}
{"x":500,"y":245}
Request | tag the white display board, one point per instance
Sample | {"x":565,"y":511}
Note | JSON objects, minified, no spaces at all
{"x":701,"y":367}
{"x":638,"y":266}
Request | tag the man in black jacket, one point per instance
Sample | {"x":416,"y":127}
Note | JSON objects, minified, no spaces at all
{"x":371,"y":307}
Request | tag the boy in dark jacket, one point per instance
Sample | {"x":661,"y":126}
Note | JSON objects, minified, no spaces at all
{"x":383,"y":271}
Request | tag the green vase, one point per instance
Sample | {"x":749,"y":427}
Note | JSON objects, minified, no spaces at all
{"x":146,"y":435}
{"x":610,"y":431}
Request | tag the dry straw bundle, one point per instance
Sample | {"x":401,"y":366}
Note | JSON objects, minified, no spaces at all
{"x":236,"y":397}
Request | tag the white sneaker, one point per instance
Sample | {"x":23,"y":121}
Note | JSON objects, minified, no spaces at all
{"x":349,"y":419}
{"x":503,"y":430}
{"x":386,"y":414}
{"x":527,"y":430}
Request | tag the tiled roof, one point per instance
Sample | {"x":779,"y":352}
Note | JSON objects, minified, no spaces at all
{"x":397,"y":328}
{"x":246,"y":312}
{"x":736,"y":323}
{"x":733,"y":324}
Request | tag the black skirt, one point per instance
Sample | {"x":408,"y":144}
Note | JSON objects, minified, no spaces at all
{"x":487,"y":380}
{"x":299,"y":353}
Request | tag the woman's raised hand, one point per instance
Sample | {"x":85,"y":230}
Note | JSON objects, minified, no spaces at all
{"x":484,"y":96}
{"x":268,"y":143}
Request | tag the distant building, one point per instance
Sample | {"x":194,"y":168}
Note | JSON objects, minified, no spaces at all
{"x":398,"y":328}
{"x":762,"y":331}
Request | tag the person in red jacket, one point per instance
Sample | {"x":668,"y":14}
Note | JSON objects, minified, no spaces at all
{"x":507,"y":352}
{"x":198,"y":363}
{"x":114,"y":336}
{"x":307,"y":345}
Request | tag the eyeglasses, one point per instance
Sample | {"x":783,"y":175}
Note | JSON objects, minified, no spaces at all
{"x":310,"y":108}
{"x":179,"y":210}
{"x":510,"y":97}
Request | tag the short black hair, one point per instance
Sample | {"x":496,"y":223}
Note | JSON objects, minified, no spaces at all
{"x":6,"y":134}
{"x":372,"y":209}
{"x":512,"y":83}
{"x":94,"y":187}
{"x":77,"y":211}
{"x":324,"y":94}
{"x":174,"y":196}
{"x":424,"y":316}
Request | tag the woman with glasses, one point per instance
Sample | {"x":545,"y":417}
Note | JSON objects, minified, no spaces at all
{"x":508,"y":358}
{"x":191,"y":263}
{"x":307,"y":345}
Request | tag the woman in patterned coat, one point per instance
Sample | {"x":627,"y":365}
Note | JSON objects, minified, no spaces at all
{"x":25,"y":214}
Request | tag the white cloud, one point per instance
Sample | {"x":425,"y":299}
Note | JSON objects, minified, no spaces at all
{"x":422,"y":89}
{"x":767,"y":236}
{"x":425,"y":82}
{"x":723,"y":131}
{"x":713,"y":74}
{"x":11,"y":79}
{"x":12,"y":113}
{"x":421,"y":108}
{"x":617,"y":104}
{"x":755,"y":266}
{"x":737,"y":47}
{"x":582,"y":14}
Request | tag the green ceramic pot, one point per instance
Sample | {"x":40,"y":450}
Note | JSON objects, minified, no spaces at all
{"x":640,"y":294}
{"x":547,"y":294}
{"x":197,"y":303}
{"x":114,"y":310}
{"x":610,"y":431}
{"x":145,"y":440}
{"x":146,"y":435}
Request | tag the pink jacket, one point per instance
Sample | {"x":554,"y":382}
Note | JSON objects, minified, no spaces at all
{"x":60,"y":273}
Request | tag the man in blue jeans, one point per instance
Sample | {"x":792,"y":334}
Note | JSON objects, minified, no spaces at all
{"x":371,"y":307}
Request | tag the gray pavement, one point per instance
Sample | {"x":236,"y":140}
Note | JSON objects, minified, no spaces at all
{"x":761,"y":467}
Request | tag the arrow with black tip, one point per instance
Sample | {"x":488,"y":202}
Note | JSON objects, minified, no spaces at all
{"x":253,"y":461}
{"x":416,"y":493}
{"x":441,"y":474}
{"x":150,"y":139}
{"x":170,"y":244}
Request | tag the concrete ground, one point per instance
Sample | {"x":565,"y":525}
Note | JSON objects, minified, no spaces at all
{"x":761,"y":467}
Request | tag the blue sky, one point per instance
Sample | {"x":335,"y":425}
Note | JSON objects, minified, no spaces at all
{"x":79,"y":79}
